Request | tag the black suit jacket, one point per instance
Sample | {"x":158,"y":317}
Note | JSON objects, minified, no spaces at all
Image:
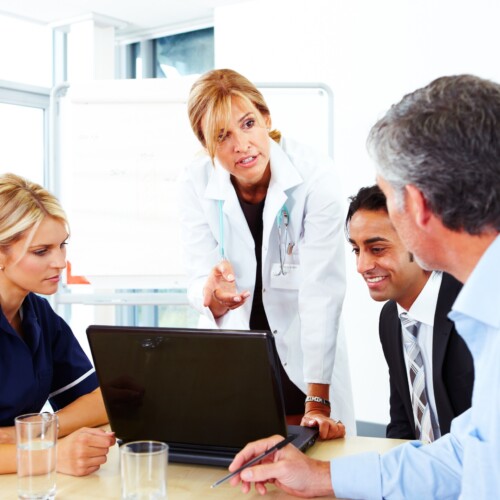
{"x":452,"y":365}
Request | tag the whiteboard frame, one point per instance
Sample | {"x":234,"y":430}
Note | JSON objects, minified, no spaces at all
{"x":65,"y":295}
{"x":312,"y":86}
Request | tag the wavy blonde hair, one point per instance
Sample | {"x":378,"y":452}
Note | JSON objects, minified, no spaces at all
{"x":210,"y":100}
{"x":23,"y":206}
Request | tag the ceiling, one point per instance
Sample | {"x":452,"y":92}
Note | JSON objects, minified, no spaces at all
{"x":132,"y":17}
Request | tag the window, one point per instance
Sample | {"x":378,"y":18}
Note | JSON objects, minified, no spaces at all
{"x":175,"y":314}
{"x":190,"y":53}
{"x":26,"y":59}
{"x":23,"y":128}
{"x":184,"y":54}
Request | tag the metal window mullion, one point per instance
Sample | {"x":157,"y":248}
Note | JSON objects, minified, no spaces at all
{"x":147,"y":48}
{"x":125,"y":57}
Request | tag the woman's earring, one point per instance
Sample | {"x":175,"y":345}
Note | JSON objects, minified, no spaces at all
{"x":1,"y":268}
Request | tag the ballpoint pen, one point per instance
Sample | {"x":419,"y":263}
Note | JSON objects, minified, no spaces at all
{"x":271,"y":450}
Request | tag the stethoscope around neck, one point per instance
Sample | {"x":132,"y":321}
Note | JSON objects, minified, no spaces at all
{"x":282,"y":222}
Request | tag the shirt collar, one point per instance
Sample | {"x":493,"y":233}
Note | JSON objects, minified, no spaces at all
{"x":423,"y":309}
{"x":32,"y":330}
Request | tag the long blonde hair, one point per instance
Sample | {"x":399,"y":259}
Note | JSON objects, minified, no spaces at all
{"x":23,"y":206}
{"x":210,"y":97}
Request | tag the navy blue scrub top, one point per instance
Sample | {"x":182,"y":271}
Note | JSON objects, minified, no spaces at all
{"x":48,"y":364}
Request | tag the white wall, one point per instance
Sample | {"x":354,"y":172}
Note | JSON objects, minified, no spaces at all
{"x":370,"y":53}
{"x":26,"y":52}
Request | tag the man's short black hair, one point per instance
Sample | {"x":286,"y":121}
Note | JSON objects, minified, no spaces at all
{"x":368,"y":198}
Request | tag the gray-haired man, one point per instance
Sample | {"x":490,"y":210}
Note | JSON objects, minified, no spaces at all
{"x":438,"y":163}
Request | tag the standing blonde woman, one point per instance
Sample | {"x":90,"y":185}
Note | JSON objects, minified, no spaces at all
{"x":40,"y":358}
{"x":261,"y":222}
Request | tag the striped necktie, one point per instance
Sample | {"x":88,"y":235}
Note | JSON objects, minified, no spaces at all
{"x":422,"y":411}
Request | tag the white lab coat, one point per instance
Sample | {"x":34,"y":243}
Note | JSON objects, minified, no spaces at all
{"x":306,"y":320}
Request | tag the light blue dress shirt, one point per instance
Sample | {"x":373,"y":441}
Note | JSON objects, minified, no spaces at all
{"x":466,"y":462}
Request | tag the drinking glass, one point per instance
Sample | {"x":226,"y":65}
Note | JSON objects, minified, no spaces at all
{"x":144,"y":470}
{"x":36,"y":438}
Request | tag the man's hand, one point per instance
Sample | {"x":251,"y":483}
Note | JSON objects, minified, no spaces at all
{"x":288,"y":469}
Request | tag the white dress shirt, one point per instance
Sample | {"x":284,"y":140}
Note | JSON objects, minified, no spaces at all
{"x":423,"y":310}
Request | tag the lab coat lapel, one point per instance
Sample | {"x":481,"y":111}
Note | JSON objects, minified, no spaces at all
{"x":284,"y":176}
{"x":236,"y":230}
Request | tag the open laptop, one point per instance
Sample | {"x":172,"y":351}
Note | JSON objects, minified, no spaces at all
{"x":206,"y":393}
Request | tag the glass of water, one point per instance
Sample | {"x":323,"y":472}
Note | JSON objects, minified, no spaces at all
{"x":144,"y":470}
{"x":36,"y":438}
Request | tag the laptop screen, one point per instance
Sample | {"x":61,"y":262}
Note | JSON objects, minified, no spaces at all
{"x":214,"y":388}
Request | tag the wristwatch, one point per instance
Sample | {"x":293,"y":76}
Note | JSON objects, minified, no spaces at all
{"x":317,"y":399}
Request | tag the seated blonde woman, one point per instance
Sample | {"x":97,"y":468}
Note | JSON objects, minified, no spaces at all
{"x":40,"y":358}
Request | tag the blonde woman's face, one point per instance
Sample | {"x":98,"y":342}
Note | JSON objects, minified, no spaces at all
{"x":244,"y":148}
{"x":37,"y":267}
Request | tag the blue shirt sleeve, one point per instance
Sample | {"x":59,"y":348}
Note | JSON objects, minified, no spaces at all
{"x":357,"y":476}
{"x":73,"y":374}
{"x":411,"y":471}
{"x":57,"y":354}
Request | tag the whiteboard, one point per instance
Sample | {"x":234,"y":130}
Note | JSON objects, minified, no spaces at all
{"x":120,"y":146}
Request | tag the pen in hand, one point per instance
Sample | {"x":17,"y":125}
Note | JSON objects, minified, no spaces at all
{"x":271,"y":450}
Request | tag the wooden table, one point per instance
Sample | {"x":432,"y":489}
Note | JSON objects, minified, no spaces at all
{"x":188,"y":482}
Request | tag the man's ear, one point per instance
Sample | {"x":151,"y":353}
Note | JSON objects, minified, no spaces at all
{"x":417,"y":205}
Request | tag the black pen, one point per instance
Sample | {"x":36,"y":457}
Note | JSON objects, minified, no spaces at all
{"x":274,"y":448}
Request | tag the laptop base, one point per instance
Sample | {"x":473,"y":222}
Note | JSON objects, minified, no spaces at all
{"x":305,"y":437}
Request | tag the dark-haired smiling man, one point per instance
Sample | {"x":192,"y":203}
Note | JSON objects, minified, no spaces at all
{"x":424,"y":398}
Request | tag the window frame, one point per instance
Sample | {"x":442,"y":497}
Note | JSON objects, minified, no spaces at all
{"x":19,"y":94}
